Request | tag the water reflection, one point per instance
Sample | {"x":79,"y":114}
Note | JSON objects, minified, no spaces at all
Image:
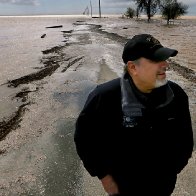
{"x":61,"y":175}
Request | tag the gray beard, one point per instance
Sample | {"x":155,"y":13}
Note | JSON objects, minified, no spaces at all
{"x":160,"y":83}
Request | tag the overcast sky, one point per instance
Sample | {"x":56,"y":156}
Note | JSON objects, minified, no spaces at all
{"x":36,"y":7}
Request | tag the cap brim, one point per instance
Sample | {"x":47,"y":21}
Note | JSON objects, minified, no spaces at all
{"x":163,"y":54}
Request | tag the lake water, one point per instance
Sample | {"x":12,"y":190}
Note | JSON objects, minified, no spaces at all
{"x":21,"y":44}
{"x":21,"y":49}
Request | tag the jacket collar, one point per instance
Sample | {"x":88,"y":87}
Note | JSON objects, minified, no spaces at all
{"x":133,"y":101}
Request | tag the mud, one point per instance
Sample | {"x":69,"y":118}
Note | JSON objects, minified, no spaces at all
{"x":58,"y":26}
{"x":35,"y":76}
{"x":23,"y":95}
{"x":184,"y":71}
{"x":109,"y":35}
{"x":12,"y":123}
{"x":55,"y":49}
{"x":51,"y":64}
{"x":67,"y":31}
{"x":98,"y":29}
{"x":72,"y":63}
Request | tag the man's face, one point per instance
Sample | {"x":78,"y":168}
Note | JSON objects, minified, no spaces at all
{"x":150,"y":74}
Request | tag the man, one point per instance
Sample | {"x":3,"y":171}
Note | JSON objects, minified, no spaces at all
{"x":134,"y":133}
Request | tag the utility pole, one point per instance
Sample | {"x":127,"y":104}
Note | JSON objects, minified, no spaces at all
{"x":91,"y":9}
{"x":99,"y":9}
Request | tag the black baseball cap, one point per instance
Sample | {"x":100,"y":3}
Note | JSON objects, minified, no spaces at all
{"x":145,"y":45}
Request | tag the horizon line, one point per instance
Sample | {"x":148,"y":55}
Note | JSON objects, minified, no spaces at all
{"x":81,"y":15}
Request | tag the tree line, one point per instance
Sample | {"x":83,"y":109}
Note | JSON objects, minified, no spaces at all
{"x":170,"y":9}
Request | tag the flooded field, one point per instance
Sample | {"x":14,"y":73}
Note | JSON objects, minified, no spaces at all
{"x":43,"y":93}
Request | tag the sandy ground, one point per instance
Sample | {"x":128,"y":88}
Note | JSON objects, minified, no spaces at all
{"x":38,"y":155}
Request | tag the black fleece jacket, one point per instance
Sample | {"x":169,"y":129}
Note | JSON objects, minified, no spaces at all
{"x":158,"y":145}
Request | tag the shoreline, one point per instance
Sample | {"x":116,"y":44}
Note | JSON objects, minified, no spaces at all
{"x":94,"y":15}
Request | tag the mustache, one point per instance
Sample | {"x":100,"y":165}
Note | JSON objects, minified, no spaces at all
{"x":163,"y":70}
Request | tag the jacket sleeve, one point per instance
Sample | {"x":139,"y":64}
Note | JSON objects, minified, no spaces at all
{"x":185,"y":135}
{"x":89,"y":138}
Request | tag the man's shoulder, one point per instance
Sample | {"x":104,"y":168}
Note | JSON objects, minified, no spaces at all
{"x":108,"y":92}
{"x":108,"y":87}
{"x":177,"y":89}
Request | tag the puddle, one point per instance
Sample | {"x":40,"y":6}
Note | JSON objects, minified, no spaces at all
{"x":105,"y":73}
{"x":75,"y":92}
{"x":62,"y":168}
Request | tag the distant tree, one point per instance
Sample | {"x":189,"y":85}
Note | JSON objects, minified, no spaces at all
{"x":141,"y":4}
{"x":171,"y":9}
{"x":149,"y":6}
{"x":130,"y":13}
{"x":137,"y":12}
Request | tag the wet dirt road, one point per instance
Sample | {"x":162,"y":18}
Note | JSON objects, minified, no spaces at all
{"x":40,"y":156}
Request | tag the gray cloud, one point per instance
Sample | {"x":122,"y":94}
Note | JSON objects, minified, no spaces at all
{"x":130,"y":3}
{"x":114,"y":1}
{"x":21,"y":2}
{"x":123,"y":4}
{"x":117,"y":3}
{"x":188,"y":2}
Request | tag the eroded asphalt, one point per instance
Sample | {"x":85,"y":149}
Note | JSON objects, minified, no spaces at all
{"x":38,"y":155}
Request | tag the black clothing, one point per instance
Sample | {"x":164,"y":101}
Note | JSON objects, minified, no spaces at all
{"x":145,"y":155}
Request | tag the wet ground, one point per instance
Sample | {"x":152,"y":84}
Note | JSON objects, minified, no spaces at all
{"x":38,"y":155}
{"x":43,"y":160}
